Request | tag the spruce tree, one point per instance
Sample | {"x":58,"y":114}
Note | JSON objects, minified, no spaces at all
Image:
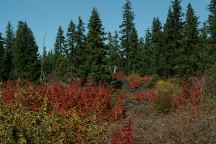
{"x":70,"y":40}
{"x":173,"y":40}
{"x":7,"y":58}
{"x":48,"y":62}
{"x":204,"y":48}
{"x":212,"y":30}
{"x":114,"y":59}
{"x":60,"y":66}
{"x":157,"y":47}
{"x":97,"y":65}
{"x":70,"y":48}
{"x":169,"y":46}
{"x":2,"y":52}
{"x":134,"y":55}
{"x":189,"y":54}
{"x":148,"y":58}
{"x":126,"y":29}
{"x":80,"y":50}
{"x":25,"y":54}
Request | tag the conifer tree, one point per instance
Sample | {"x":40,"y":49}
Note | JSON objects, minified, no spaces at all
{"x":134,"y":55}
{"x":114,"y":59}
{"x":60,"y":67}
{"x":2,"y":51}
{"x":148,"y":57}
{"x":189,"y":54}
{"x":157,"y":47}
{"x":169,"y":46}
{"x":70,"y":49}
{"x":204,"y":48}
{"x":80,"y":50}
{"x":212,"y":30}
{"x":7,"y":58}
{"x":97,"y":65}
{"x":25,"y":54}
{"x":126,"y":29}
{"x":173,"y":39}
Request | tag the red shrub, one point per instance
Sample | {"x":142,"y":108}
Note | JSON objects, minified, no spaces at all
{"x":138,"y":81}
{"x":151,"y":95}
{"x":120,"y":76}
{"x":56,"y":97}
{"x":124,"y":135}
{"x":191,"y":93}
{"x":139,"y":97}
{"x":8,"y":92}
{"x":117,"y":112}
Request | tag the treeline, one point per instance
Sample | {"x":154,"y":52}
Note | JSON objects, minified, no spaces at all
{"x":178,"y":48}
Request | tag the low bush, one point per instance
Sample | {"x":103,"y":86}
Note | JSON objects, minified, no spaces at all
{"x":55,"y":113}
{"x":38,"y":127}
{"x":166,"y":91}
{"x":124,"y":135}
{"x":209,"y":89}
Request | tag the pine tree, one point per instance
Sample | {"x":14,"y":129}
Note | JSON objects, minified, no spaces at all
{"x":169,"y":46}
{"x":212,"y":30}
{"x":7,"y":58}
{"x":2,"y":51}
{"x":43,"y":67}
{"x":60,"y":66}
{"x":113,"y":53}
{"x":126,"y":29}
{"x":96,"y":50}
{"x":70,"y":48}
{"x":173,"y":40}
{"x":204,"y":48}
{"x":157,"y":47}
{"x":80,"y":50}
{"x":48,"y":63}
{"x":134,"y":56}
{"x":25,"y":54}
{"x":70,"y":40}
{"x":148,"y":57}
{"x":189,"y":54}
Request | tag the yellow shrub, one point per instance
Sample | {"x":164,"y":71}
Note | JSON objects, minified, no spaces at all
{"x":166,"y":91}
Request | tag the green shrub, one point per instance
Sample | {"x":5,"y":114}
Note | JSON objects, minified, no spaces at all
{"x":18,"y":126}
{"x":166,"y":91}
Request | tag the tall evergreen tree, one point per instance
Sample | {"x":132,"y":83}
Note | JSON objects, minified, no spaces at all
{"x":70,"y":48}
{"x":96,"y":50}
{"x":2,"y":51}
{"x":189,"y":54}
{"x":70,"y":39}
{"x":113,"y":53}
{"x":48,"y":63}
{"x":157,"y":47}
{"x":42,"y":59}
{"x":134,"y":55}
{"x":126,"y":29}
{"x":60,"y":67}
{"x":25,"y":54}
{"x":204,"y":48}
{"x":9,"y":44}
{"x":169,"y":46}
{"x":80,"y":51}
{"x":148,"y":57}
{"x":212,"y":30}
{"x":173,"y":39}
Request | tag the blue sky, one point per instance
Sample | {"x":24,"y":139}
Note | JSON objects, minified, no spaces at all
{"x":44,"y":16}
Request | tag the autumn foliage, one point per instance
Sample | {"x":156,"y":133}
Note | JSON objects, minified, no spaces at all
{"x":81,"y":111}
{"x":124,"y":135}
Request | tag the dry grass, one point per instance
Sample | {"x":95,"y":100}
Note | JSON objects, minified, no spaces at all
{"x":182,"y":127}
